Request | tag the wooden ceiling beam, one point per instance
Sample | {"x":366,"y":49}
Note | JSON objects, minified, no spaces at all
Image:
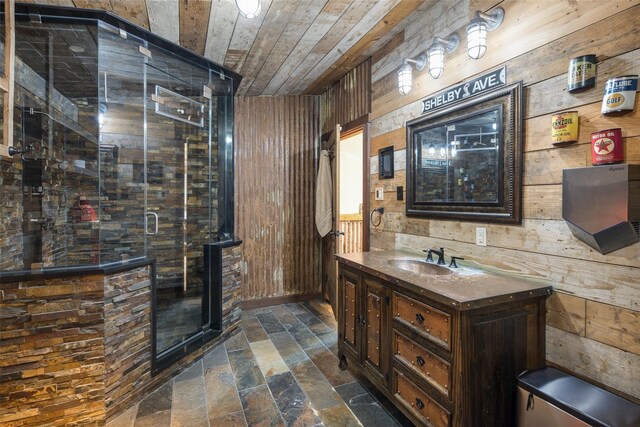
{"x":222,"y":22}
{"x":355,"y":55}
{"x":162,"y":18}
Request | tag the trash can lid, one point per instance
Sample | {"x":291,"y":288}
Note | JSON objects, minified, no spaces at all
{"x":579,"y":398}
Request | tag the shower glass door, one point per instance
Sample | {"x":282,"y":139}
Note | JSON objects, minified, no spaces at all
{"x":177,"y":176}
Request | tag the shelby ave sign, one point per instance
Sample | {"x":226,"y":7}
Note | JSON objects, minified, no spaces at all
{"x":462,"y":91}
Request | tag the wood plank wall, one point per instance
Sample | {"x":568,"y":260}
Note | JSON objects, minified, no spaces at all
{"x":275,"y":154}
{"x":347,"y":100}
{"x":594,"y":317}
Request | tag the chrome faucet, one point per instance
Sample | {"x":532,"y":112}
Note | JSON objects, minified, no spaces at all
{"x":440,"y":254}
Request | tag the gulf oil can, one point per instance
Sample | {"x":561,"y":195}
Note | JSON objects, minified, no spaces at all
{"x":564,"y":127}
{"x":619,"y":94}
{"x":606,"y":147}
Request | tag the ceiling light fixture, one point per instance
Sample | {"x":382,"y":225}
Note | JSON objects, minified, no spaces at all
{"x":405,"y":78}
{"x":477,"y":31}
{"x":249,"y":8}
{"x":436,"y":53}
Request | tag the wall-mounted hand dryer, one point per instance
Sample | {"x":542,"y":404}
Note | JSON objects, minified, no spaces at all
{"x":601,"y":205}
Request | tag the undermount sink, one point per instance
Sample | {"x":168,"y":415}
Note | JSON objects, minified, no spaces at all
{"x":419,"y":267}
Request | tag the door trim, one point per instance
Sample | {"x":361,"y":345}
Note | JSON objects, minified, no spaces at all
{"x":362,"y":123}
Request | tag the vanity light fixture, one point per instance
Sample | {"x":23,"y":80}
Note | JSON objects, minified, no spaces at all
{"x":436,"y":53}
{"x":249,"y":8}
{"x":477,"y":31}
{"x":405,"y":73}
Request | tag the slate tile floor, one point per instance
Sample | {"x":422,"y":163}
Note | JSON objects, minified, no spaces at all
{"x":280,"y":370}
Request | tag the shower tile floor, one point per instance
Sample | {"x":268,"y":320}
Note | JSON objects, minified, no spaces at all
{"x":280,"y":370}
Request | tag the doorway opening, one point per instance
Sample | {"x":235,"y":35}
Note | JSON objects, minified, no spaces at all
{"x":349,"y":146}
{"x":350,"y":193}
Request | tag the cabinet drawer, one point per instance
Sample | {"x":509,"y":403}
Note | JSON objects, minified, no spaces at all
{"x":424,"y":363}
{"x":418,"y":402}
{"x":429,"y":322}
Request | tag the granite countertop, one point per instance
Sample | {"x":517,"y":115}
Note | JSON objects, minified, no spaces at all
{"x":465,"y":288}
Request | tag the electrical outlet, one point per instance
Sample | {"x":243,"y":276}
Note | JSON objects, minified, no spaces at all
{"x":380,"y":193}
{"x":481,"y":236}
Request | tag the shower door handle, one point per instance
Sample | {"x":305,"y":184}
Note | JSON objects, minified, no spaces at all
{"x":146,"y":224}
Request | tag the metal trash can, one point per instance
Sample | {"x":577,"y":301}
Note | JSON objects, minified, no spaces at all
{"x":548,"y":397}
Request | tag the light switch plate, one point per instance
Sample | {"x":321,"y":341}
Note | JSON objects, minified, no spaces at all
{"x":481,"y":236}
{"x":380,"y":193}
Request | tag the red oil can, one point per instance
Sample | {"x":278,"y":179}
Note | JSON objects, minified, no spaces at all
{"x":606,"y":147}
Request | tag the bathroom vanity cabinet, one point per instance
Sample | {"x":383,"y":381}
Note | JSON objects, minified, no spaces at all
{"x":445,"y":349}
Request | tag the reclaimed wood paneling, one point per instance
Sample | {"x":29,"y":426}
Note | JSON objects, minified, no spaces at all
{"x":293,"y":47}
{"x":276,"y":144}
{"x":194,"y":24}
{"x":347,"y":100}
{"x":593,"y":317}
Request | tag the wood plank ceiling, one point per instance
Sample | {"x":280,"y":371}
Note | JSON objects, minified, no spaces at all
{"x":294,"y":47}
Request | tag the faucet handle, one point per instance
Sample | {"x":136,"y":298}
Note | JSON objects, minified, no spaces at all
{"x":453,"y":261}
{"x":429,"y":255}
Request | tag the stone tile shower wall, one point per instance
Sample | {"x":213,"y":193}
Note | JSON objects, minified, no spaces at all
{"x":78,"y":350}
{"x":52,"y":357}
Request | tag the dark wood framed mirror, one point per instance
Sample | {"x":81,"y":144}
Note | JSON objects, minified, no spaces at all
{"x":465,"y":162}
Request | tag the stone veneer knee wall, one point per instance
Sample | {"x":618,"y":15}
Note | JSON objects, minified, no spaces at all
{"x":52,"y":364}
{"x":77,"y":350}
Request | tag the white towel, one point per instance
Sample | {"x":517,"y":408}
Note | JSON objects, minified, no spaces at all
{"x":324,"y":214}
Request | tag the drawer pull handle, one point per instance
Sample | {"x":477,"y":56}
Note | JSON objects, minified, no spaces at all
{"x":419,"y":318}
{"x":419,"y":403}
{"x":419,"y":360}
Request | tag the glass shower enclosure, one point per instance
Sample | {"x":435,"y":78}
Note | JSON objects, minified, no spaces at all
{"x":125,"y":153}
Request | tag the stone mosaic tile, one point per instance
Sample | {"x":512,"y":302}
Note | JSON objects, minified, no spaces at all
{"x":222,"y":394}
{"x":338,"y":415}
{"x":320,"y":393}
{"x":229,"y":420}
{"x":216,"y":357}
{"x":227,"y":386}
{"x":253,"y":330}
{"x":126,"y":419}
{"x":296,"y":308}
{"x":159,"y":419}
{"x":304,"y":337}
{"x":268,"y":358}
{"x":259,"y":407}
{"x":317,"y":309}
{"x":327,"y":363}
{"x":270,"y":322}
{"x":158,"y":401}
{"x":189,"y":404}
{"x":294,"y":406}
{"x":193,"y":371}
{"x":329,"y":339}
{"x":245,"y":369}
{"x":288,"y":348}
{"x":364,"y":406}
{"x":254,"y":311}
{"x":237,"y":342}
{"x":314,"y":324}
{"x":286,"y":318}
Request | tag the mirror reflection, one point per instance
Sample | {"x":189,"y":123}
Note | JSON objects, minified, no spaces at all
{"x":459,"y":161}
{"x":464,"y":162}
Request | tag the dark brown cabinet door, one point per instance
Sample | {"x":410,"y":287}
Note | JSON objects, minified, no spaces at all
{"x":350,"y":326}
{"x":375,"y":315}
